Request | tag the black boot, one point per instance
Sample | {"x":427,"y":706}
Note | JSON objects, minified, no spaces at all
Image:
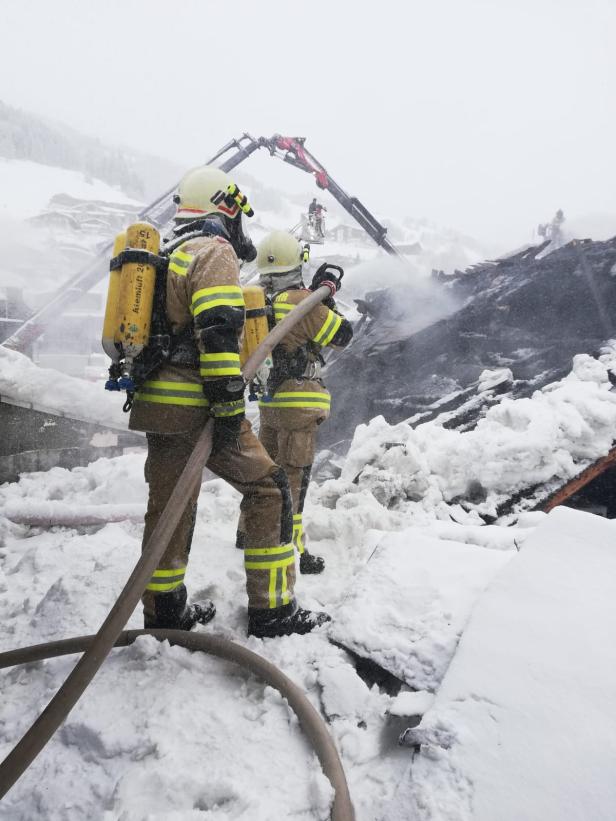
{"x":171,"y":612}
{"x":308,"y":563}
{"x":284,"y":621}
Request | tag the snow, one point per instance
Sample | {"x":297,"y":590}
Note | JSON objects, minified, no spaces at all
{"x":413,"y":582}
{"x":550,"y":436}
{"x":524,"y":724}
{"x":489,"y":379}
{"x":26,"y":188}
{"x":130,"y":746}
{"x":409,"y":605}
{"x":479,"y":620}
{"x":46,"y":389}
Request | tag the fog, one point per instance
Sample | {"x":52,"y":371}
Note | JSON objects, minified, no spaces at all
{"x":483,"y":116}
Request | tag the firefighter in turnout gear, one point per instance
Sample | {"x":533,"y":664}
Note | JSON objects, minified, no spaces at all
{"x":201,"y":378}
{"x":297,"y":401}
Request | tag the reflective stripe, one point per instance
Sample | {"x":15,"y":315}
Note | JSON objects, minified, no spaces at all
{"x":297,"y":399}
{"x":207,"y":298}
{"x":276,"y":560}
{"x":298,"y":532}
{"x":220,"y":364}
{"x":267,"y":558}
{"x":172,"y":393}
{"x":281,"y":309}
{"x":179,"y":262}
{"x":328,"y":329}
{"x":163,"y":581}
{"x":224,"y":409}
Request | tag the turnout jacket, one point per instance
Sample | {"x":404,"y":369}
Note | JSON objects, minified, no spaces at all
{"x":320,"y":328}
{"x":203,"y":292}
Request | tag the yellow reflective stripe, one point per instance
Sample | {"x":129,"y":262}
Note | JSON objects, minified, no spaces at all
{"x":193,"y":387}
{"x":164,"y":587}
{"x":284,"y":592}
{"x":176,"y":571}
{"x":220,"y":364}
{"x":281,"y":309}
{"x":225,"y":409}
{"x":297,"y":399}
{"x":297,"y":517}
{"x":266,"y":551}
{"x":172,"y":393}
{"x":305,"y":403}
{"x":273,"y":576}
{"x":328,"y":329}
{"x":298,"y":535}
{"x":302,"y":394}
{"x":208,"y":357}
{"x":207,"y":298}
{"x":179,"y":262}
{"x":270,"y":565}
{"x":163,"y":581}
{"x":269,"y":558}
{"x":275,"y":560}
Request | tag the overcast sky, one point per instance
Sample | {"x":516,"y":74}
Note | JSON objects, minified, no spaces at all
{"x":483,"y":115}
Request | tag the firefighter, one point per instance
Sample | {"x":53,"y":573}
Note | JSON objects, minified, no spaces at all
{"x":202,"y":379}
{"x":315,"y":215}
{"x":297,"y":401}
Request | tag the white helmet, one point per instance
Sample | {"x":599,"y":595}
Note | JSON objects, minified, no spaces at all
{"x":205,"y":190}
{"x":278,"y":254}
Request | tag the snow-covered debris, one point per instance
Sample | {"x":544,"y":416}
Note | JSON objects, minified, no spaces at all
{"x":524,"y":724}
{"x":518,"y":444}
{"x":409,"y":604}
{"x":45,"y":389}
{"x":489,"y":379}
{"x":410,"y":703}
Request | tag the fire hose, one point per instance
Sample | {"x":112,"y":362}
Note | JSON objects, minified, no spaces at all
{"x":97,"y":648}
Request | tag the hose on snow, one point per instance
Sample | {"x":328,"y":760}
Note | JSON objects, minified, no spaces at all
{"x":309,"y":719}
{"x":37,"y":736}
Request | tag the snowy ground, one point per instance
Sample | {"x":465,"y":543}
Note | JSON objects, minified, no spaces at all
{"x":162,"y":734}
{"x":524,"y":725}
{"x":208,"y":741}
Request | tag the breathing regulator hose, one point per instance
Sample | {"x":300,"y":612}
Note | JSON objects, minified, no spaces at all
{"x":96,"y":648}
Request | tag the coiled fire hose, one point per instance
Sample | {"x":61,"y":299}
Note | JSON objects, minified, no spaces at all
{"x":97,"y":648}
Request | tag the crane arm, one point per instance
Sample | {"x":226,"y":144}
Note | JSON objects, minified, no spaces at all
{"x":160,"y":212}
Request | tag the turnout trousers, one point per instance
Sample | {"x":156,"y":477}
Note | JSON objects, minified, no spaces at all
{"x":289,"y":437}
{"x":266,"y":509}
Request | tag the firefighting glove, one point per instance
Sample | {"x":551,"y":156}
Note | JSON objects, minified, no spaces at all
{"x":226,"y":398}
{"x":325,"y":275}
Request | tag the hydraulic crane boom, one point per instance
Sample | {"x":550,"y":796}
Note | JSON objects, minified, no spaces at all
{"x":289,"y":149}
{"x":292,"y":150}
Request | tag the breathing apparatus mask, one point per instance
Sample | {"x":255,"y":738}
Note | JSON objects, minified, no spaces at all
{"x":275,"y":283}
{"x":240,"y":238}
{"x":216,"y":225}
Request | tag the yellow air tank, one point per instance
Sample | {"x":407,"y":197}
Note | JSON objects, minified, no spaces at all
{"x":110,"y":323}
{"x":137,"y":286}
{"x":256,"y":327}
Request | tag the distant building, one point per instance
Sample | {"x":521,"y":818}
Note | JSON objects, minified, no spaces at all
{"x":13,"y":311}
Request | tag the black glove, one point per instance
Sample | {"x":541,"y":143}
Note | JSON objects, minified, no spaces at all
{"x":326,"y":273}
{"x":226,"y":398}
